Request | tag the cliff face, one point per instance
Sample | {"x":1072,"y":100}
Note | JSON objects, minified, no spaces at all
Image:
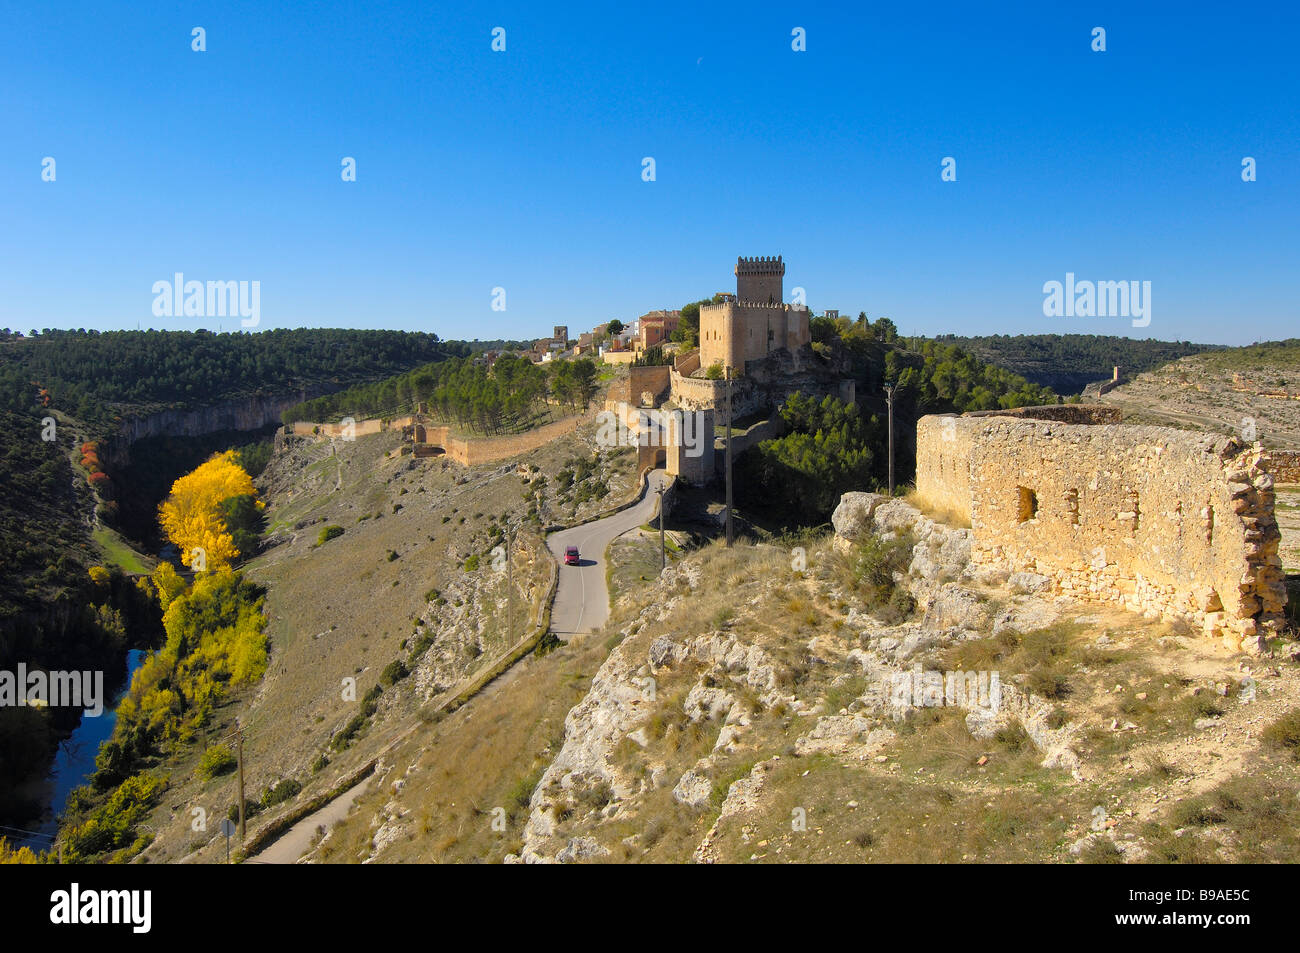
{"x":248,"y":414}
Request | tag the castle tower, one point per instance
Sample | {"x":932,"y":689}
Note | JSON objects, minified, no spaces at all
{"x":760,"y":280}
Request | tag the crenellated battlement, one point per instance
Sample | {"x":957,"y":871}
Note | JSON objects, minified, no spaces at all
{"x":733,"y":303}
{"x":760,"y":266}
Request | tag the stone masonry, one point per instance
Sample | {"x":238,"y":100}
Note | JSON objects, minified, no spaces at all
{"x":754,"y":322}
{"x":1169,"y":523}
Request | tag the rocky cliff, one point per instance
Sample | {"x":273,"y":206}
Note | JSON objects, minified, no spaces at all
{"x":250,"y":413}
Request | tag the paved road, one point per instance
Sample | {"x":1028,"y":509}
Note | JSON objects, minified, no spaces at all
{"x":296,"y":841}
{"x":582,"y":598}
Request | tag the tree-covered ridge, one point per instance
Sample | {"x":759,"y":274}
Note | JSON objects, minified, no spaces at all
{"x":92,"y":374}
{"x":44,"y":546}
{"x":510,"y":395}
{"x":1068,"y":362}
{"x":1255,"y":357}
{"x":944,"y":378}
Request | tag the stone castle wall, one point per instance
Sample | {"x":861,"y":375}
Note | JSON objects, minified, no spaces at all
{"x":1165,"y":522}
{"x":734,"y":332}
{"x":754,"y":322}
{"x":465,"y":451}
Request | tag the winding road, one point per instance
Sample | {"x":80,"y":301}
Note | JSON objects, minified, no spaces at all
{"x":581,"y":596}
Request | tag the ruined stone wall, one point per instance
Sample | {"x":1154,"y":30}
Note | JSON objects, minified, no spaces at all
{"x":361,"y":428}
{"x":1284,"y":466}
{"x":1165,"y":522}
{"x":1063,"y":413}
{"x":697,"y":393}
{"x":465,"y":451}
{"x":943,"y":454}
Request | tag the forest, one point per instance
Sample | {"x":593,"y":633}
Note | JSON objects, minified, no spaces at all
{"x":1068,"y":362}
{"x":511,"y":395}
{"x":96,"y":376}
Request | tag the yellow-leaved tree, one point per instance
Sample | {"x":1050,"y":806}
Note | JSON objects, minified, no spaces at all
{"x":191,"y":516}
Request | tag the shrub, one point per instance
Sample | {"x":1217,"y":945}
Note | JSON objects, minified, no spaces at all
{"x":216,"y":761}
{"x":112,"y":825}
{"x":251,"y":810}
{"x":878,"y":558}
{"x":279,"y":793}
{"x":327,"y":533}
{"x":393,"y":673}
{"x":348,"y":732}
{"x":471,"y":564}
{"x":1284,"y":734}
{"x":421,"y":645}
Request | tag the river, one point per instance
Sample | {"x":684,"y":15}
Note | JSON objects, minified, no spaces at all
{"x":75,"y":760}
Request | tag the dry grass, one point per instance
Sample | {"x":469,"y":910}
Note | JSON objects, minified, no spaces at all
{"x":943,"y":513}
{"x":508,"y":735}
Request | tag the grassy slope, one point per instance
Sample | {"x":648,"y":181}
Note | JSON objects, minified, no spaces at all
{"x":1198,"y":393}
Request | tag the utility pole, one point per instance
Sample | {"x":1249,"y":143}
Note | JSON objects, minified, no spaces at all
{"x":239,"y":745}
{"x":889,"y":400}
{"x":727,"y":374}
{"x":663,"y":549}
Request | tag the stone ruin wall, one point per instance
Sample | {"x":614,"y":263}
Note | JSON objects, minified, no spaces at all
{"x":943,"y":453}
{"x":1284,"y":465}
{"x":1169,"y":523}
{"x":1061,"y":413}
{"x":465,"y":451}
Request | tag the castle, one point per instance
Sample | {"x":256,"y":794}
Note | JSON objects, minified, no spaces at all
{"x":1169,"y":523}
{"x":765,"y":344}
{"x":755,"y":321}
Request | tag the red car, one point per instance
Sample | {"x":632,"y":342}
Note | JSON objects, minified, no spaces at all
{"x":571,"y":556}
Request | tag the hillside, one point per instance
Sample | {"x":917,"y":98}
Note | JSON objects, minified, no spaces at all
{"x":744,"y":711}
{"x":1222,"y":391}
{"x":1068,"y":362}
{"x":407,"y":596}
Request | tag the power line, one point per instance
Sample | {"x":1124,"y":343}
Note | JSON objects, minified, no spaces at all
{"x":19,"y":830}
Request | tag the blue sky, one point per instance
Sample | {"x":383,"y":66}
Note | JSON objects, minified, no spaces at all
{"x":522,"y":169}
